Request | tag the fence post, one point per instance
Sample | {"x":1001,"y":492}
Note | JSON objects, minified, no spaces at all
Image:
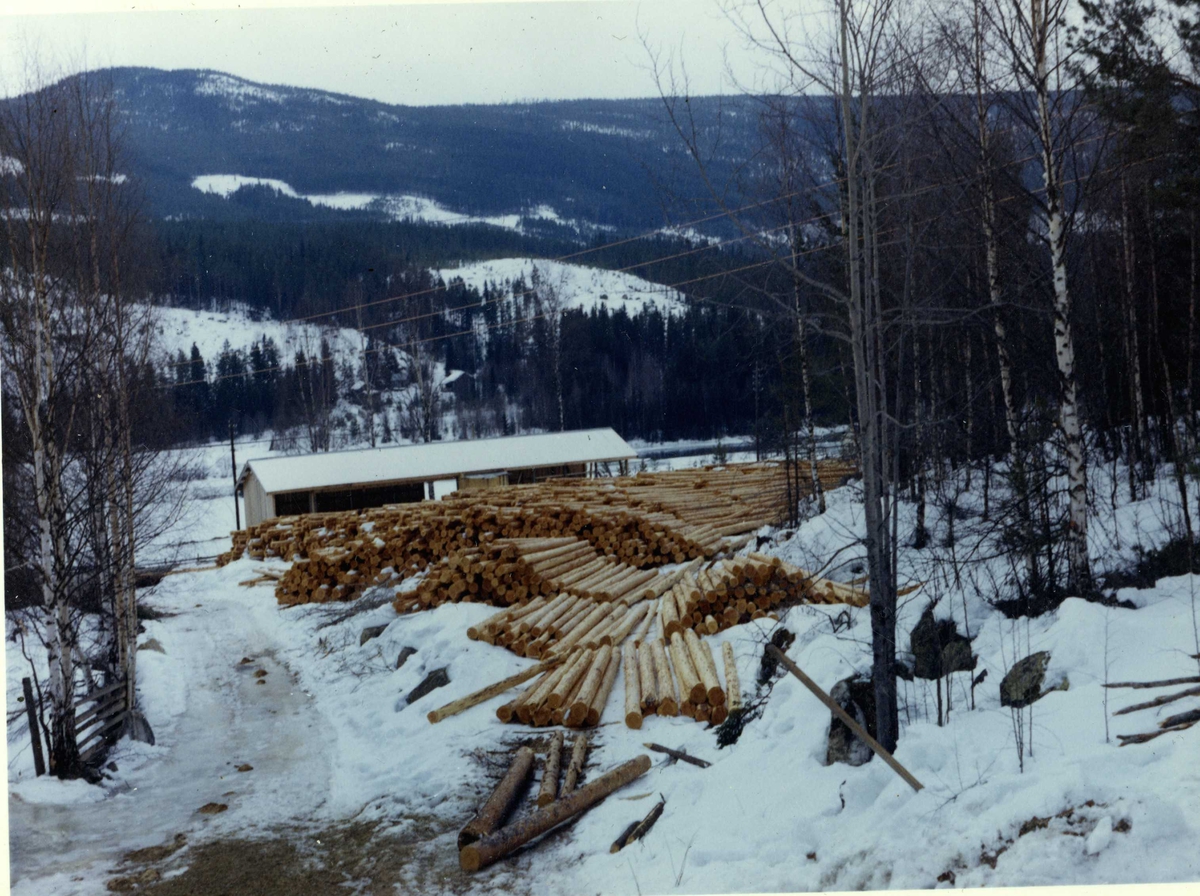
{"x":39,"y":761}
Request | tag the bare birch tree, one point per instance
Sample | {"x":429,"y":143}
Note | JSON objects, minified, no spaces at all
{"x":1030,"y":33}
{"x":77,"y":362}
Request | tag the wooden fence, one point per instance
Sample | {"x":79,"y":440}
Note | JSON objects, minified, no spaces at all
{"x":106,"y":712}
{"x":98,"y":715}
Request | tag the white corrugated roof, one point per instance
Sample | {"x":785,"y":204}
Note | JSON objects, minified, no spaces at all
{"x":435,"y":460}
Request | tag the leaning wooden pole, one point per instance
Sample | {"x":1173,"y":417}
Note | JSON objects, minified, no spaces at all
{"x":483,"y":852}
{"x":39,"y":761}
{"x":501,"y":801}
{"x":858,"y":729}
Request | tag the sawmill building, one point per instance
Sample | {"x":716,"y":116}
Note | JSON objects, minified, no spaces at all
{"x":372,"y":477}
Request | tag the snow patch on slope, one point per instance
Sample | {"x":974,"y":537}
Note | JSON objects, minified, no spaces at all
{"x":225,"y":185}
{"x":178,"y":328}
{"x":238,"y":92}
{"x":579,"y":286}
{"x":421,"y":208}
{"x":398,"y":206}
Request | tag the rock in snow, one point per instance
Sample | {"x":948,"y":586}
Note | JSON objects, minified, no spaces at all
{"x":1023,"y":683}
{"x":405,"y":653}
{"x":435,"y":679}
{"x":857,"y":697}
{"x":371,"y":631}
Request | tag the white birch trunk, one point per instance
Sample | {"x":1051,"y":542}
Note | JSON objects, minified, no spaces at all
{"x":1078,"y":561}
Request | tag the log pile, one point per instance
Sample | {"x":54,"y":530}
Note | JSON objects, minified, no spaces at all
{"x":670,"y":678}
{"x":583,"y":642}
{"x":514,"y":570}
{"x":740,"y":589}
{"x":641,"y":522}
{"x":336,"y":572}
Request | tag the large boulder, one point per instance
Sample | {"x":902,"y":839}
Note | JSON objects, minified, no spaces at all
{"x":1026,"y":681}
{"x":857,"y":697}
{"x":939,"y":649}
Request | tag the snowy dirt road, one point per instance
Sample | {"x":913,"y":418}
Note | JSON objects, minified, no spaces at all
{"x":233,"y":713}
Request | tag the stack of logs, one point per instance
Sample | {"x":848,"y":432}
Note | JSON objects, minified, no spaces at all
{"x":642,"y":521}
{"x":695,"y":688}
{"x":740,"y":589}
{"x":669,"y":677}
{"x":575,"y":607}
{"x":512,"y":570}
{"x":582,"y":641}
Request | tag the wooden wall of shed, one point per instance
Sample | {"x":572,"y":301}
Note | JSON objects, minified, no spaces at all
{"x":259,"y":505}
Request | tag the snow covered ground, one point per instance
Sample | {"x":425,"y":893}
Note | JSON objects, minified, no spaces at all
{"x":767,"y":816}
{"x":578,"y":286}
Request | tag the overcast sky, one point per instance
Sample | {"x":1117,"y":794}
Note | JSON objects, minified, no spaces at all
{"x":423,"y":53}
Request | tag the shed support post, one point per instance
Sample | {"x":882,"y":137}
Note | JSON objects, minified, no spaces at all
{"x":237,"y":517}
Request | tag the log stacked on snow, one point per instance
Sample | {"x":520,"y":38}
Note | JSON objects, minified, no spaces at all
{"x":740,"y":589}
{"x":515,"y":571}
{"x":641,"y":521}
{"x":574,"y":693}
{"x":686,"y":684}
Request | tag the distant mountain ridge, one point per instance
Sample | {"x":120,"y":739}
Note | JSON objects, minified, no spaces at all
{"x":600,"y":163}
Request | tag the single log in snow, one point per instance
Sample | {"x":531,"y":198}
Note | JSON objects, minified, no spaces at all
{"x":732,"y":684}
{"x":492,"y":690}
{"x":575,"y":766}
{"x":549,"y":788}
{"x":633,"y":692}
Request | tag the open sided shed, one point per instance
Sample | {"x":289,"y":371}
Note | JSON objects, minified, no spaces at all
{"x":372,"y":477}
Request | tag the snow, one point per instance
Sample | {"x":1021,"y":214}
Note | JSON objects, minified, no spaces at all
{"x":436,"y":460}
{"x":398,"y":206}
{"x":767,"y":816}
{"x":579,"y":286}
{"x":178,"y":328}
{"x":225,"y":185}
{"x":343,"y":201}
{"x":608,"y":130}
{"x":1100,"y":837}
{"x":238,"y":92}
{"x":692,"y":235}
{"x":407,"y":207}
{"x":52,"y":791}
{"x":220,"y":717}
{"x":9,"y":165}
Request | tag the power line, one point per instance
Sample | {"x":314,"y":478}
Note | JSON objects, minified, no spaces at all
{"x":535,"y":317}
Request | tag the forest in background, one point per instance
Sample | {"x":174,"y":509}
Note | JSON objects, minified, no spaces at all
{"x":971,"y":234}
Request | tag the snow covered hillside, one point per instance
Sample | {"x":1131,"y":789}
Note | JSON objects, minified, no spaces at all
{"x":397,"y":206}
{"x":371,"y":774}
{"x":578,"y":286}
{"x":177,"y":329}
